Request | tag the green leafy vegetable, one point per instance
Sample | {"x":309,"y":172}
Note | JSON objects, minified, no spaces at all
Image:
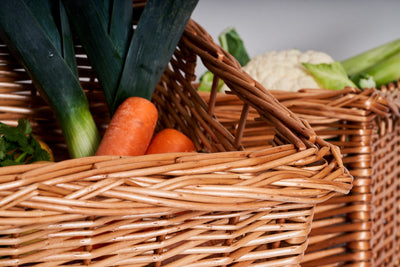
{"x":156,"y":36}
{"x":129,"y":64}
{"x":330,"y":76}
{"x":206,"y":81}
{"x":105,"y":32}
{"x":373,"y":68}
{"x":18,"y":145}
{"x":366,"y":81}
{"x":231,"y":42}
{"x":48,"y":63}
{"x":120,"y":28}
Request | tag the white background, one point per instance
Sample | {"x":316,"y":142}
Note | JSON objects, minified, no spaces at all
{"x":341,"y":28}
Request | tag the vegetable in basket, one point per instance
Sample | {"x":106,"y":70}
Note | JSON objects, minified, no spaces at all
{"x":280,"y":70}
{"x":372,"y":68}
{"x":284,"y":70}
{"x":381,"y":63}
{"x":291,"y":70}
{"x":231,"y":42}
{"x":314,"y":69}
{"x":39,"y":36}
{"x":131,"y":128}
{"x":136,"y":67}
{"x":104,"y":29}
{"x":19,"y":146}
{"x":128,"y":63}
{"x":170,"y":140}
{"x":156,"y":37}
{"x":131,"y":132}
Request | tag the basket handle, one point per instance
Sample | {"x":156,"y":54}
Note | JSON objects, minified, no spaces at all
{"x":227,"y":68}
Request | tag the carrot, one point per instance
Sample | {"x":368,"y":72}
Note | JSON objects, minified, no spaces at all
{"x":170,"y":140}
{"x":131,"y":128}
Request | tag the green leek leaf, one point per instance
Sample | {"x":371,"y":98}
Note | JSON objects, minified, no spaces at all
{"x":156,"y":36}
{"x":121,"y":29}
{"x":52,"y":76}
{"x":88,"y":20}
{"x":44,"y":12}
{"x":68,"y":51}
{"x":103,"y":10}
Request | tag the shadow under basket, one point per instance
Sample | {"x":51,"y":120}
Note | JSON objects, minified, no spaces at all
{"x":363,"y":227}
{"x":222,"y":206}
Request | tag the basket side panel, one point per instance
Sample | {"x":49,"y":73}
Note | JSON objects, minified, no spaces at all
{"x":187,"y":238}
{"x":397,"y":250}
{"x":385,"y":192}
{"x":359,"y":229}
{"x":342,"y":226}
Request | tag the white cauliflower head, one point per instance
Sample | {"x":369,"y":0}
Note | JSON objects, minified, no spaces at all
{"x":283,"y":70}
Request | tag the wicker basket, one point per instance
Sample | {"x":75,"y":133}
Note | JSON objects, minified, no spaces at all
{"x":223,"y":206}
{"x":363,"y":228}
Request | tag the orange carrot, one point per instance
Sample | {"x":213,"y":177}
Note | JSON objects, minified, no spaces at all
{"x":131,"y":128}
{"x":170,"y":140}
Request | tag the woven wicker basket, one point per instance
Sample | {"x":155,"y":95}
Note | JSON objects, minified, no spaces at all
{"x":223,"y":206}
{"x":363,"y":228}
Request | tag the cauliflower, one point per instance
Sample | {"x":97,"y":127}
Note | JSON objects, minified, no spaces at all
{"x":291,"y":70}
{"x":283,"y":70}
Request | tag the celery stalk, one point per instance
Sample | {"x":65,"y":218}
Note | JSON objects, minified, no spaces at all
{"x":383,"y":72}
{"x":363,"y":61}
{"x":372,"y":68}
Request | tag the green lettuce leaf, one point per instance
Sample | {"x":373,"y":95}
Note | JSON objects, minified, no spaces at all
{"x":330,"y":76}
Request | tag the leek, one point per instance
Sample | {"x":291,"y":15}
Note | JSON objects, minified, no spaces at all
{"x":372,"y":68}
{"x":105,"y":32}
{"x":156,"y":36}
{"x":40,"y":44}
{"x":128,"y":64}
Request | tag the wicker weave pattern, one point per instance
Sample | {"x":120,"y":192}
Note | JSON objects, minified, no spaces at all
{"x":224,"y":206}
{"x":361,"y":229}
{"x":368,"y":141}
{"x":384,"y":191}
{"x":135,"y":212}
